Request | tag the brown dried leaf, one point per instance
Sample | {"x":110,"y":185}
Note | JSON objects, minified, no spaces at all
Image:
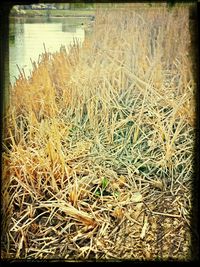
{"x":158,"y":184}
{"x":122,"y":180}
{"x":118,"y":213}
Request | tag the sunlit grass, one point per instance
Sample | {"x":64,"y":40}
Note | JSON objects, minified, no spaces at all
{"x":99,"y":143}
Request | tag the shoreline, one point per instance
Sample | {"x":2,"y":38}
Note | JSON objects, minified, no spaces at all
{"x":40,"y":16}
{"x":54,"y":14}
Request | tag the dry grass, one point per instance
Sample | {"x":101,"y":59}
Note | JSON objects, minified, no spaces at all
{"x":98,"y":152}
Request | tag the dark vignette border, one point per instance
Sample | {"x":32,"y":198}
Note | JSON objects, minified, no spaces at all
{"x":6,"y":6}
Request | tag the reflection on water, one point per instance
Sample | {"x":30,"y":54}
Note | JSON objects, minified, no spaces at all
{"x":28,"y":36}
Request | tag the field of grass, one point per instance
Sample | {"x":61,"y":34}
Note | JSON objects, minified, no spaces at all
{"x":98,"y":147}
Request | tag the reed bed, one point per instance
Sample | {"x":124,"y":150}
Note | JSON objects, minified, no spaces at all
{"x":98,"y":147}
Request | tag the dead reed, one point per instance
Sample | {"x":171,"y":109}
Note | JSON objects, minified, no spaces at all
{"x":98,"y":151}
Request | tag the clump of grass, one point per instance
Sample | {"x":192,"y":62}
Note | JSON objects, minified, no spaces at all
{"x":98,"y":145}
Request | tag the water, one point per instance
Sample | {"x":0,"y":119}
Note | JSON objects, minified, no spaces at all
{"x":28,"y":35}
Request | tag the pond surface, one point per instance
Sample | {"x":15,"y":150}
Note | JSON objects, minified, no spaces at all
{"x":27,"y":37}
